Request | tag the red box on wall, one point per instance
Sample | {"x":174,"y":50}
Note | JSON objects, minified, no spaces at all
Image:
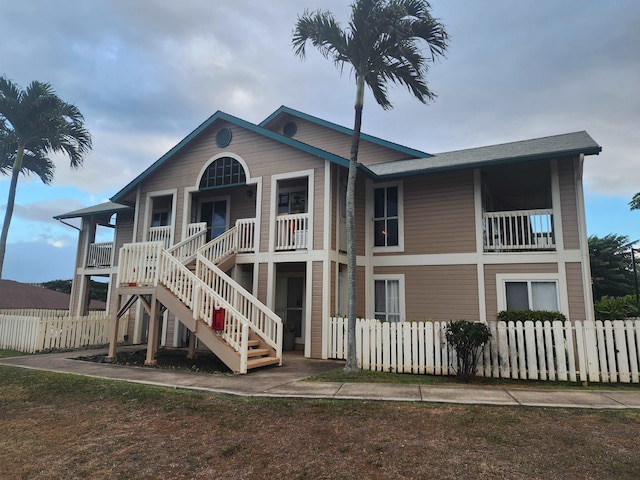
{"x":217,"y":318}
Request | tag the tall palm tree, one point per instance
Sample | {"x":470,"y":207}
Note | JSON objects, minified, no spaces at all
{"x":382,"y":43}
{"x":36,"y":123}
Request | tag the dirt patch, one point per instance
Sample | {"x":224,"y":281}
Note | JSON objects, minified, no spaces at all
{"x":167,"y":359}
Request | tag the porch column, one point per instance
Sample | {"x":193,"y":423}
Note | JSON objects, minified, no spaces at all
{"x":154,"y":330}
{"x":114,"y":323}
{"x":192,"y":355}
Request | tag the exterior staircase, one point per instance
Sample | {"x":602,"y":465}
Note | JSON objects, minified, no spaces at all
{"x":189,"y":279}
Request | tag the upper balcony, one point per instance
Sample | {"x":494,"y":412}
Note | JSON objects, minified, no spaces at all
{"x":518,"y":208}
{"x":518,"y":231}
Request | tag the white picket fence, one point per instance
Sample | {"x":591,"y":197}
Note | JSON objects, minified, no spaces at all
{"x":31,"y":331}
{"x":557,"y":351}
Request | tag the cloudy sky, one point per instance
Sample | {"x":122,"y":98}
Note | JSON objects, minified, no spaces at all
{"x":145,"y":73}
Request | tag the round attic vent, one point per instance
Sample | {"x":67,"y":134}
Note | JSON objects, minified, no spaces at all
{"x":290,"y":129}
{"x":223,"y":138}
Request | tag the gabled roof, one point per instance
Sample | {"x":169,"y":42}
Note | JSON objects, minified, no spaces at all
{"x":234,"y":121}
{"x":555,"y":146}
{"x":283,"y":110}
{"x":104,"y":208}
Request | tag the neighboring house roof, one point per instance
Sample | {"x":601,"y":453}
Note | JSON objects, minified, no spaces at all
{"x":567,"y":144}
{"x":22,"y":295}
{"x":283,"y":110}
{"x":240,"y":123}
{"x":102,"y":209}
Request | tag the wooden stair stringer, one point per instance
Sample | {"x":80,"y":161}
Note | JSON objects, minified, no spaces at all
{"x":212,"y":340}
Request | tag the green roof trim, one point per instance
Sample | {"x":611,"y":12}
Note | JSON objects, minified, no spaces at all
{"x":119,"y":196}
{"x":347,"y":131}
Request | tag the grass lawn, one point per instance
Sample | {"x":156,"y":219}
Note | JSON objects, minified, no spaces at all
{"x":65,"y":426}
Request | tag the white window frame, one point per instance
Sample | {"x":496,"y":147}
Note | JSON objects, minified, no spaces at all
{"x":273,"y":210}
{"x":148,"y":213}
{"x":503,"y":279}
{"x":391,"y":248}
{"x":401,"y":293}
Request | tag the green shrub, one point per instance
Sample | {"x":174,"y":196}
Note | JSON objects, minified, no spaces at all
{"x":467,"y":338}
{"x":616,"y":308}
{"x":533,"y":315}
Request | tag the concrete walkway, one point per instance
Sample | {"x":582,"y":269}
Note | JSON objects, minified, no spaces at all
{"x":287,"y":382}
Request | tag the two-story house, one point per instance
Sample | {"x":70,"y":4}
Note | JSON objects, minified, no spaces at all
{"x":251,"y":218}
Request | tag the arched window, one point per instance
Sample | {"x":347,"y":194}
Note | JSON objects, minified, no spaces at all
{"x":223,"y":172}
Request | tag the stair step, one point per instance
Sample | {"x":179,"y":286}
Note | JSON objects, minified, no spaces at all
{"x":257,"y":352}
{"x":261,"y":362}
{"x":253,"y":343}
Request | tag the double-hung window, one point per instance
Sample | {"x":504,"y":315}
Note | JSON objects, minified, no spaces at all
{"x":387,"y":209}
{"x":387,"y":300}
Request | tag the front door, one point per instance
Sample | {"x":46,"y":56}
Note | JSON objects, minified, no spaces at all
{"x":216,"y":214}
{"x":289,"y":302}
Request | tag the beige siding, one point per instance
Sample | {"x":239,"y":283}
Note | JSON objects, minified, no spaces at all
{"x":361,"y":297}
{"x":123,"y":232}
{"x":490,"y":272}
{"x":575,"y":289}
{"x":339,"y":143}
{"x":318,"y":209}
{"x":568,"y":201}
{"x":264,"y":158}
{"x":442,"y":292}
{"x":335,"y":217}
{"x":316,"y":307}
{"x":263,"y":275}
{"x":439,"y":215}
{"x":360,"y":220}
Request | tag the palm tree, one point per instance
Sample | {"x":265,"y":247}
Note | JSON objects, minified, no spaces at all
{"x":634,"y":204}
{"x":35,"y":123}
{"x":382,"y":44}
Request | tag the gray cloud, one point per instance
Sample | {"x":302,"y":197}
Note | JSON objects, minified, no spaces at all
{"x":146,"y":73}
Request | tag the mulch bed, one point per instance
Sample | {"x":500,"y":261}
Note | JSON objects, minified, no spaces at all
{"x":167,"y":359}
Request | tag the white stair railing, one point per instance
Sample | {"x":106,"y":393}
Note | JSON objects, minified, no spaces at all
{"x":186,"y":249}
{"x":262,"y":320}
{"x":221,"y":246}
{"x":149,"y":264}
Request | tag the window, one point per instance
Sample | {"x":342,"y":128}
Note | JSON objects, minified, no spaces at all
{"x":292,"y":202}
{"x":532,"y":295}
{"x":223,"y":172}
{"x":387,"y":300}
{"x":160,"y":219}
{"x":386,"y":217}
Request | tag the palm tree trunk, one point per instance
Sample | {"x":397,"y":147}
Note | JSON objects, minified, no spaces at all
{"x":352,"y":359}
{"x":17,"y":166}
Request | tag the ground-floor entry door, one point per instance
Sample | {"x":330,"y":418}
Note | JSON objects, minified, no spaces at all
{"x":215,"y":213}
{"x":290,"y":301}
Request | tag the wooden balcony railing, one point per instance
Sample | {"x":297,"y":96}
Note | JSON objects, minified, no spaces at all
{"x":518,"y":231}
{"x":292,"y":232}
{"x":160,"y":234}
{"x":100,"y":255}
